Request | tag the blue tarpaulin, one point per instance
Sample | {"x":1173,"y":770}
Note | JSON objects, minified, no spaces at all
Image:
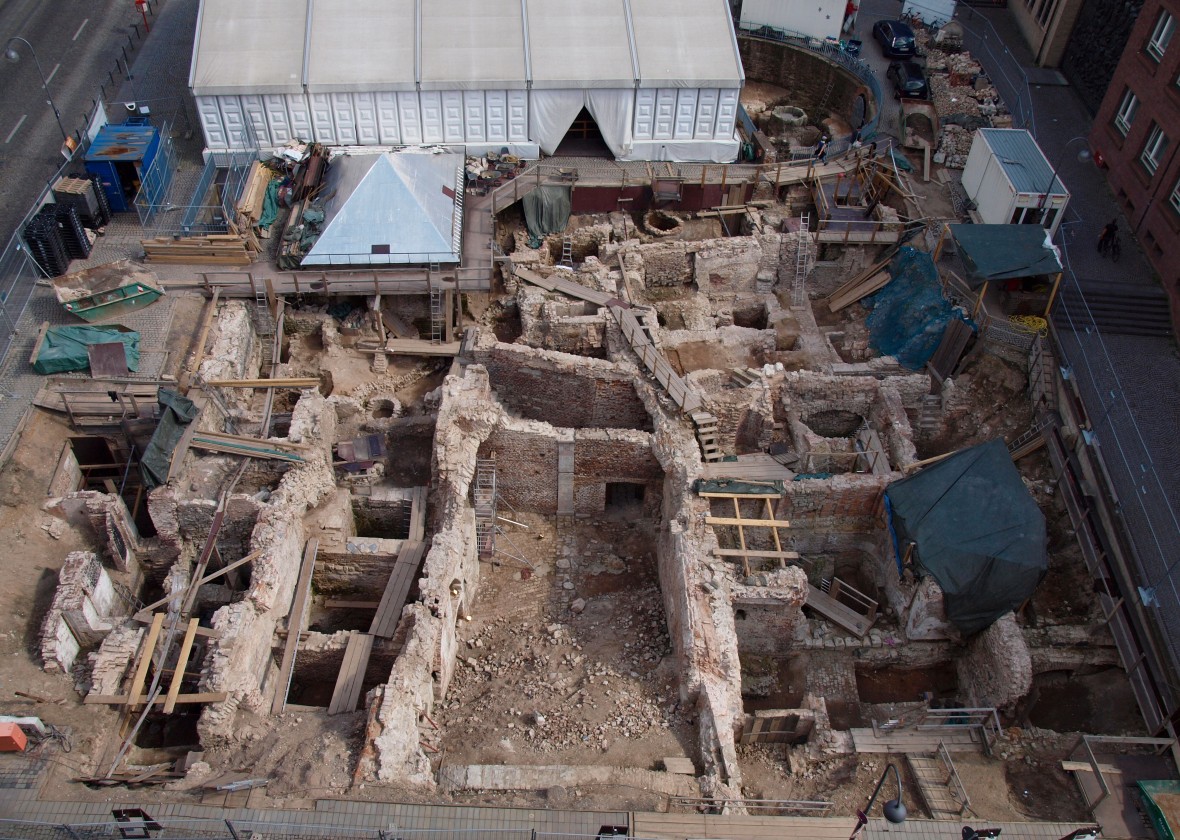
{"x":909,"y":315}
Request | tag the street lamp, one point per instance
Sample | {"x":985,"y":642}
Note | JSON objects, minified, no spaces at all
{"x":1083,"y":156}
{"x":12,"y":55}
{"x":894,"y":810}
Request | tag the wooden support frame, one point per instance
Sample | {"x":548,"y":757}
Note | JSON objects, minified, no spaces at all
{"x":145,"y":659}
{"x":186,"y":649}
{"x":294,"y":624}
{"x":124,"y":699}
{"x":254,"y":555}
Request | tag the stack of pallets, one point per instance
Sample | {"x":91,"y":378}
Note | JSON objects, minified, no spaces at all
{"x":213,"y":249}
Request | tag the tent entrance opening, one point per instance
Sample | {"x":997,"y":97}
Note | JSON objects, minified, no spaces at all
{"x":583,"y":139}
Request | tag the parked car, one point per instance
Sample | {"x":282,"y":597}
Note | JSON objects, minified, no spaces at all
{"x":896,"y":38}
{"x":909,"y":80}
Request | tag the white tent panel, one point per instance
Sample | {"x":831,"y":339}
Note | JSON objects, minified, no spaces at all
{"x":323,"y":129}
{"x":706,"y":121}
{"x":361,"y":45}
{"x":727,"y":108}
{"x":234,"y":121}
{"x":496,"y":108}
{"x":475,"y":120}
{"x":472,"y":44}
{"x":432,"y":116}
{"x":551,"y":113}
{"x":686,"y":114}
{"x":344,"y":118}
{"x":712,"y":151}
{"x":665,"y":113}
{"x":255,"y":115}
{"x":518,"y":116}
{"x":452,"y":108}
{"x":612,"y":111}
{"x":254,"y":47}
{"x":574,"y":45}
{"x":645,"y":114}
{"x":409,"y":111}
{"x":300,"y":113}
{"x":388,"y":125}
{"x":277,"y":120}
{"x":367,"y":132}
{"x":686,"y":43}
{"x":211,"y":123}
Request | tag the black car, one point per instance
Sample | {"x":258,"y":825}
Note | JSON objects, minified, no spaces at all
{"x":909,"y":80}
{"x":896,"y":38}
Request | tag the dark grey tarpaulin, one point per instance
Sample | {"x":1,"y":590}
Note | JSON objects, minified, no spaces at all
{"x":178,"y":412}
{"x":976,"y":529}
{"x":546,"y":210}
{"x":1004,"y":252}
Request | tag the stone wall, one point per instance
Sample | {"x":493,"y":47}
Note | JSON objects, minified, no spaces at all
{"x":357,"y":577}
{"x":564,"y":390}
{"x":81,"y":612}
{"x":997,"y":668}
{"x":574,"y":327}
{"x":664,"y":263}
{"x":768,"y":610}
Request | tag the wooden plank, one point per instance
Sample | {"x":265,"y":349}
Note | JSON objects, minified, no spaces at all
{"x":351,"y":678}
{"x":41,"y":333}
{"x":294,"y":623}
{"x":765,"y":523}
{"x":704,"y":495}
{"x":254,"y":555}
{"x":332,"y":604}
{"x":186,"y":648}
{"x":836,"y":612}
{"x":397,"y":588}
{"x":145,"y":658}
{"x":417,"y":529}
{"x":121,"y":699}
{"x":288,"y":382}
{"x":753,"y":552}
{"x":421,"y":347}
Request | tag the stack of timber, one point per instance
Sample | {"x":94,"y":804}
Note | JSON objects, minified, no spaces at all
{"x":862,"y":285}
{"x":250,"y":203}
{"x":213,"y":249}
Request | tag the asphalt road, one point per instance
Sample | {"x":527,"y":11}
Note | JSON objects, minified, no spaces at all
{"x":77,"y":43}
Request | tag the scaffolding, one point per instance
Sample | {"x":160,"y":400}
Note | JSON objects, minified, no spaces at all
{"x":484,"y":493}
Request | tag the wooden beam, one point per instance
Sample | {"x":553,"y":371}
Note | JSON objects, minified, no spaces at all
{"x":289,"y":382}
{"x":254,"y":555}
{"x":705,"y":495}
{"x":351,"y":678}
{"x":764,"y":523}
{"x":753,"y":552}
{"x":41,"y":333}
{"x":186,"y":648}
{"x":294,"y":624}
{"x":145,"y":658}
{"x":351,"y":605}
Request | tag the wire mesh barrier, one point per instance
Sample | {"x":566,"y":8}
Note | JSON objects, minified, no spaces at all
{"x":228,"y":829}
{"x":1003,"y":68}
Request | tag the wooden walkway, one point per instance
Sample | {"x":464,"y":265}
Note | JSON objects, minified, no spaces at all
{"x":418,"y":514}
{"x":421,"y":347}
{"x":833,"y":610}
{"x":397,"y":589}
{"x":916,"y":741}
{"x":294,"y":626}
{"x":756,"y":466}
{"x":351,"y":678}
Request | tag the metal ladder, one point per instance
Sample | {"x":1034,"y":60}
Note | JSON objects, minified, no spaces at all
{"x":484,"y":502}
{"x":264,"y":322}
{"x":567,"y":252}
{"x":437,"y":315}
{"x":802,"y":260}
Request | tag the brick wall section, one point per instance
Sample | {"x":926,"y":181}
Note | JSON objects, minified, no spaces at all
{"x":351,"y":577}
{"x":568,"y":391}
{"x":843,"y":503}
{"x":526,"y":466}
{"x":1143,"y":195}
{"x":764,"y":630}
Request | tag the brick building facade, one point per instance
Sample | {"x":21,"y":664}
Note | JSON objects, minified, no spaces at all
{"x":1136,"y":135}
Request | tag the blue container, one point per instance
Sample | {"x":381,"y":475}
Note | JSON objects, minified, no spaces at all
{"x":120,"y":156}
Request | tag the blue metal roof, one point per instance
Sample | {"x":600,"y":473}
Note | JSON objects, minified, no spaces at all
{"x":1023,"y":161}
{"x":121,"y":142}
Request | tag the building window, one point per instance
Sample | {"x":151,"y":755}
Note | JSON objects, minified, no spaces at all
{"x":1161,"y":36}
{"x":1126,"y":112}
{"x":1174,"y":198}
{"x":1153,"y":149}
{"x":1045,"y":13}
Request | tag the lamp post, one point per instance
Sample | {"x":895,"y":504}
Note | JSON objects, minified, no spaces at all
{"x":12,"y":55}
{"x":1083,"y":155}
{"x":894,"y":810}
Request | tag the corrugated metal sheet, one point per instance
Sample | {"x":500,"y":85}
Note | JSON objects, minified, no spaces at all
{"x":1022,"y":160}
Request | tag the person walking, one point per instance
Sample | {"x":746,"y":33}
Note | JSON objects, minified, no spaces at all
{"x":821,"y":150}
{"x":1108,"y":236}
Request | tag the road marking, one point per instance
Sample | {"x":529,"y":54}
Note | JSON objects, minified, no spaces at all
{"x":52,"y":73}
{"x":19,"y":123}
{"x":80,"y":28}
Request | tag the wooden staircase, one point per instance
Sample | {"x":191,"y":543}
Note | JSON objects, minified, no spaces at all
{"x":939,"y":783}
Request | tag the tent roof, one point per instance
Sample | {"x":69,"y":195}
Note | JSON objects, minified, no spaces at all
{"x":976,"y":529}
{"x":390,"y":207}
{"x":1026,"y":166}
{"x":345,"y":46}
{"x":1004,"y":252}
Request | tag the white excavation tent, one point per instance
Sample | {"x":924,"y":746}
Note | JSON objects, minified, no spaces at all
{"x":661,"y":78}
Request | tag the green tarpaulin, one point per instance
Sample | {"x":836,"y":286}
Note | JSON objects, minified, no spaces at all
{"x":546,"y":210}
{"x":178,"y":412}
{"x":64,"y":348}
{"x":976,"y":529}
{"x":1004,"y":252}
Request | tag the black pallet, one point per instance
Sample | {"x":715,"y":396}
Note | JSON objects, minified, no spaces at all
{"x":73,"y":234}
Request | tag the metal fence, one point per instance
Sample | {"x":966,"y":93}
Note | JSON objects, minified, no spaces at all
{"x":834,"y":52}
{"x":200,"y":829}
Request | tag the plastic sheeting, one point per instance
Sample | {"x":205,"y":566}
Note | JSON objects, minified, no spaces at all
{"x":1004,"y":252}
{"x":65,"y":348}
{"x":909,"y":315}
{"x":975,"y":529}
{"x":546,"y":210}
{"x":178,"y":412}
